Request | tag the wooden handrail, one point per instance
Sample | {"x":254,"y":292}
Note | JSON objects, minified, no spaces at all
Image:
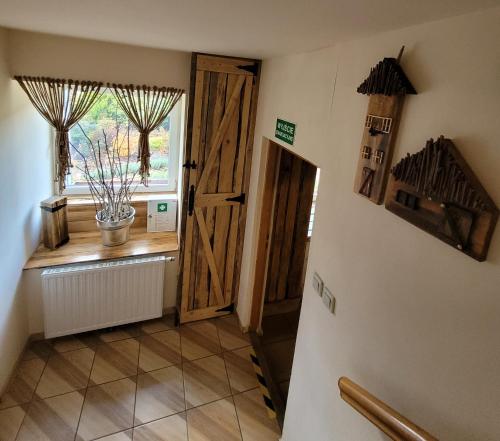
{"x":396,"y":426}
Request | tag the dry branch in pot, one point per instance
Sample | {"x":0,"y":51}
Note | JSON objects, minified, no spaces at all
{"x":112,"y":182}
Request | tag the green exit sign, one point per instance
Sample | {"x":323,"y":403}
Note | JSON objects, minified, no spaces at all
{"x":285,"y":131}
{"x":162,"y":207}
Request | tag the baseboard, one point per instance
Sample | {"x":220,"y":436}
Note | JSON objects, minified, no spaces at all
{"x":36,"y":337}
{"x":169,"y":310}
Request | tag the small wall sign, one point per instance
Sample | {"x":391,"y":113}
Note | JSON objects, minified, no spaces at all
{"x":162,"y":214}
{"x":285,"y":131}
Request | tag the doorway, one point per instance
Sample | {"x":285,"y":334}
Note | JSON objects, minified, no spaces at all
{"x":287,"y":214}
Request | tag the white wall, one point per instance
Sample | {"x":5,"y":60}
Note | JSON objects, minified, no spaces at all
{"x":79,"y":59}
{"x":25,"y":179}
{"x":417,"y":322}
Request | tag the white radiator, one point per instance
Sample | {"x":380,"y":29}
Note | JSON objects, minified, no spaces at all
{"x":87,"y":297}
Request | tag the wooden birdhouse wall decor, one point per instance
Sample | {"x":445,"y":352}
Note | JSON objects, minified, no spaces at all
{"x":387,"y":86}
{"x":437,"y":191}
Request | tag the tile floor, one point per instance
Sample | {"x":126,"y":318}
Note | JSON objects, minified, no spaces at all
{"x":278,"y":346}
{"x":146,"y":382}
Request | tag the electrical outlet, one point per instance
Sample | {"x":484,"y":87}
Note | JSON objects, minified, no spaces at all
{"x":329,"y":300}
{"x":318,"y":284}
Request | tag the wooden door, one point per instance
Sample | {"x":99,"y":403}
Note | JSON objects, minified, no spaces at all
{"x":218,"y":158}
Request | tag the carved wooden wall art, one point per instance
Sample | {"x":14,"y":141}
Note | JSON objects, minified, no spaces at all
{"x":438,"y":192}
{"x":387,"y":86}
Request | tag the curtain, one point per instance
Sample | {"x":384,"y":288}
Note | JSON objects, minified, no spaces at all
{"x":62,"y":103}
{"x":146,"y":107}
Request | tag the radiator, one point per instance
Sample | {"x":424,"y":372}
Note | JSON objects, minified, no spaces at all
{"x":95,"y":296}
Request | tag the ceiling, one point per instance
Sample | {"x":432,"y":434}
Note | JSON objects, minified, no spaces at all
{"x":255,"y":28}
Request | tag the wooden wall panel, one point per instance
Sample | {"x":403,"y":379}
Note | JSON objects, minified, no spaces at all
{"x":299,"y":256}
{"x":281,"y":201}
{"x":292,"y":208}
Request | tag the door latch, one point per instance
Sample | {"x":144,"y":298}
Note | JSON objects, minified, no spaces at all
{"x":189,"y":165}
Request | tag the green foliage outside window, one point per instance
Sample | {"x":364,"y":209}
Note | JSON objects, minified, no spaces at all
{"x":103,"y":119}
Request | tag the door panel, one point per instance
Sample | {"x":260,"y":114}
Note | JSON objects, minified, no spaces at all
{"x":219,"y":138}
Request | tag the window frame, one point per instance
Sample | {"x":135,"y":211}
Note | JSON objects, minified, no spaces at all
{"x":177,"y":121}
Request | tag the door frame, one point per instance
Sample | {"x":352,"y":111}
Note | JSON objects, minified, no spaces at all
{"x":270,"y":166}
{"x":271,"y":153}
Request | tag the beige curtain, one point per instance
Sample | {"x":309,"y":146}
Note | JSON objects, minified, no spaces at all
{"x":146,"y":108}
{"x":62,"y":103}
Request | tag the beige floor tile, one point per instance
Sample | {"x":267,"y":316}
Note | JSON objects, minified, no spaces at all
{"x":52,"y":419}
{"x":120,"y":333}
{"x":115,"y":360}
{"x":279,"y":356}
{"x":120,"y":436}
{"x":68,"y":343}
{"x":230,"y":334}
{"x":276,"y":328}
{"x":108,"y":409}
{"x":159,"y":394}
{"x":38,"y":349}
{"x":205,"y":380}
{"x":199,"y":340}
{"x":254,"y":421}
{"x":240,"y":370}
{"x":23,"y":384}
{"x":172,"y":428}
{"x":10,"y":421}
{"x":66,"y":372}
{"x":157,"y":325}
{"x":90,"y":339}
{"x":214,"y":422}
{"x":160,"y":350}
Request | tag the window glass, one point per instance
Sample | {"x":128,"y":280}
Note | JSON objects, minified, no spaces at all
{"x":106,"y":118}
{"x":313,"y":206}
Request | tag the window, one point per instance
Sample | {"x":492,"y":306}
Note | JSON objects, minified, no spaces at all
{"x":104,"y":117}
{"x":313,"y":206}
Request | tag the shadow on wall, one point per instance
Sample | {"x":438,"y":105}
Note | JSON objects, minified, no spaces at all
{"x":13,"y":323}
{"x":25,"y":176}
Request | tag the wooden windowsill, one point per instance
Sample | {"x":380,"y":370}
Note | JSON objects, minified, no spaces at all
{"x":137,"y":197}
{"x":87,"y":247}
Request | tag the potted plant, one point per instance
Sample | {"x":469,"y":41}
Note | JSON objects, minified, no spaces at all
{"x":112,"y":181}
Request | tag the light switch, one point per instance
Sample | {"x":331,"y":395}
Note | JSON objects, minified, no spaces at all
{"x":329,"y":300}
{"x":318,"y":284}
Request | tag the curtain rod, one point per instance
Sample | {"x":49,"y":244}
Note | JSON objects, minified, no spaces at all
{"x":56,"y":80}
{"x":143,"y":87}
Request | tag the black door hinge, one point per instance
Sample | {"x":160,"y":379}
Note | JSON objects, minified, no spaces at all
{"x":252,"y":68}
{"x":228,"y":308}
{"x":240,"y":198}
{"x":189,"y":165}
{"x":191,"y":200}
